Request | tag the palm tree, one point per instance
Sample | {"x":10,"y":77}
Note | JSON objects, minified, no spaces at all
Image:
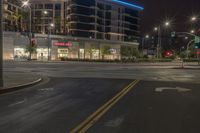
{"x":105,"y":51}
{"x":31,"y":49}
{"x":15,"y":17}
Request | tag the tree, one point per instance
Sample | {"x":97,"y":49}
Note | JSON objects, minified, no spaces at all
{"x":91,"y":50}
{"x":130,"y":52}
{"x":31,"y":49}
{"x":105,"y":51}
{"x":16,"y":17}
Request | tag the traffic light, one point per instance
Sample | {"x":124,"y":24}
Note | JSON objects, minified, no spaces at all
{"x":33,"y":42}
{"x":173,"y":34}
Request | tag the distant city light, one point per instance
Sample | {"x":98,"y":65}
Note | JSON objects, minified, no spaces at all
{"x":129,"y":4}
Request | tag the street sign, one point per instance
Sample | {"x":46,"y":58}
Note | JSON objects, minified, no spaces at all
{"x":173,"y":34}
{"x":197,"y":39}
{"x":197,"y":42}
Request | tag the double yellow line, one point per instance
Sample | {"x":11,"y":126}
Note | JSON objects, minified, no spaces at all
{"x":92,"y":119}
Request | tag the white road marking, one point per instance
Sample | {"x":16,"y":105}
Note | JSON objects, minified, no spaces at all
{"x":179,"y":89}
{"x":114,"y":123}
{"x":47,"y":89}
{"x":19,"y":102}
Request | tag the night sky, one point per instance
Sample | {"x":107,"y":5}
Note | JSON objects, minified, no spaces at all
{"x":179,"y":11}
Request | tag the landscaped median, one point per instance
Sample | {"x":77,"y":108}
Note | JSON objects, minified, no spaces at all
{"x":14,"y":81}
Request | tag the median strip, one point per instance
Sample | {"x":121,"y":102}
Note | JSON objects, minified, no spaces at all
{"x":92,"y":119}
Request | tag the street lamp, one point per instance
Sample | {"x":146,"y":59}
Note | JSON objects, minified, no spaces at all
{"x":167,"y":23}
{"x":27,"y":4}
{"x":144,"y":40}
{"x":158,"y":30}
{"x":155,"y":28}
{"x":192,"y":31}
{"x":51,"y":26}
{"x":45,"y":12}
{"x":194,"y":18}
{"x":147,"y":36}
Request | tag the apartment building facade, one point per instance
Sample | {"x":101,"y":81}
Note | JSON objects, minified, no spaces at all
{"x":88,"y":26}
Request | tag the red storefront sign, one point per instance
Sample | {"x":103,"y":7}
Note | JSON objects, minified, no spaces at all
{"x":63,"y":44}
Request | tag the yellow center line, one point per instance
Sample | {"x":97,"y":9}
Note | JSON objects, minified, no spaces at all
{"x":92,"y":119}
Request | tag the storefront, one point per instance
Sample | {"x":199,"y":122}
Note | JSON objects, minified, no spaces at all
{"x":42,"y":53}
{"x":20,"y":53}
{"x":63,"y":47}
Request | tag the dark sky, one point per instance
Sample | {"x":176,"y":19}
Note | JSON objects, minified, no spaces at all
{"x":179,"y":11}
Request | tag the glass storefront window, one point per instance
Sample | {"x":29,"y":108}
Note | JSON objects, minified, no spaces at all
{"x":95,"y":54}
{"x":81,"y":53}
{"x":19,"y":53}
{"x":63,"y":52}
{"x":42,"y":53}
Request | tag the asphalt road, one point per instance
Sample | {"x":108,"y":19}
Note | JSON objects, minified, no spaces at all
{"x":72,"y":92}
{"x":143,"y":71}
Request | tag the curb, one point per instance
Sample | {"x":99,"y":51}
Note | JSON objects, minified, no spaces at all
{"x":18,"y":87}
{"x":187,"y":68}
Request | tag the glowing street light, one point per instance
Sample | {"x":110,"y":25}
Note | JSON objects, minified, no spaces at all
{"x":147,"y":36}
{"x":25,"y":3}
{"x":192,"y":31}
{"x":52,"y":25}
{"x":156,"y":29}
{"x":167,"y":23}
{"x":45,"y":12}
{"x":194,"y":18}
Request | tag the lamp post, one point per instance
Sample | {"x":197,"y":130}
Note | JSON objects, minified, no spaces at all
{"x":1,"y":43}
{"x":158,"y":30}
{"x":143,"y":42}
{"x":27,"y":4}
{"x":49,"y":41}
{"x":159,"y":43}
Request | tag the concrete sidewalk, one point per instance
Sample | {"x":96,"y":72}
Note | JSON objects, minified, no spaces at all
{"x":17,"y":80}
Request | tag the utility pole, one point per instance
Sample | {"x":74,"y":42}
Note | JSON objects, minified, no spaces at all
{"x":1,"y":43}
{"x":159,"y":42}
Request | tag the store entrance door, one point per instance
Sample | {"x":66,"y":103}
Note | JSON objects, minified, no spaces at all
{"x":63,"y":53}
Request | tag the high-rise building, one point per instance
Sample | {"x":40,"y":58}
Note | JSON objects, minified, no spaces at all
{"x":12,"y":17}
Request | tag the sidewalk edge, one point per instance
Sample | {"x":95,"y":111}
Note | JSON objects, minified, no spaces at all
{"x":18,"y":87}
